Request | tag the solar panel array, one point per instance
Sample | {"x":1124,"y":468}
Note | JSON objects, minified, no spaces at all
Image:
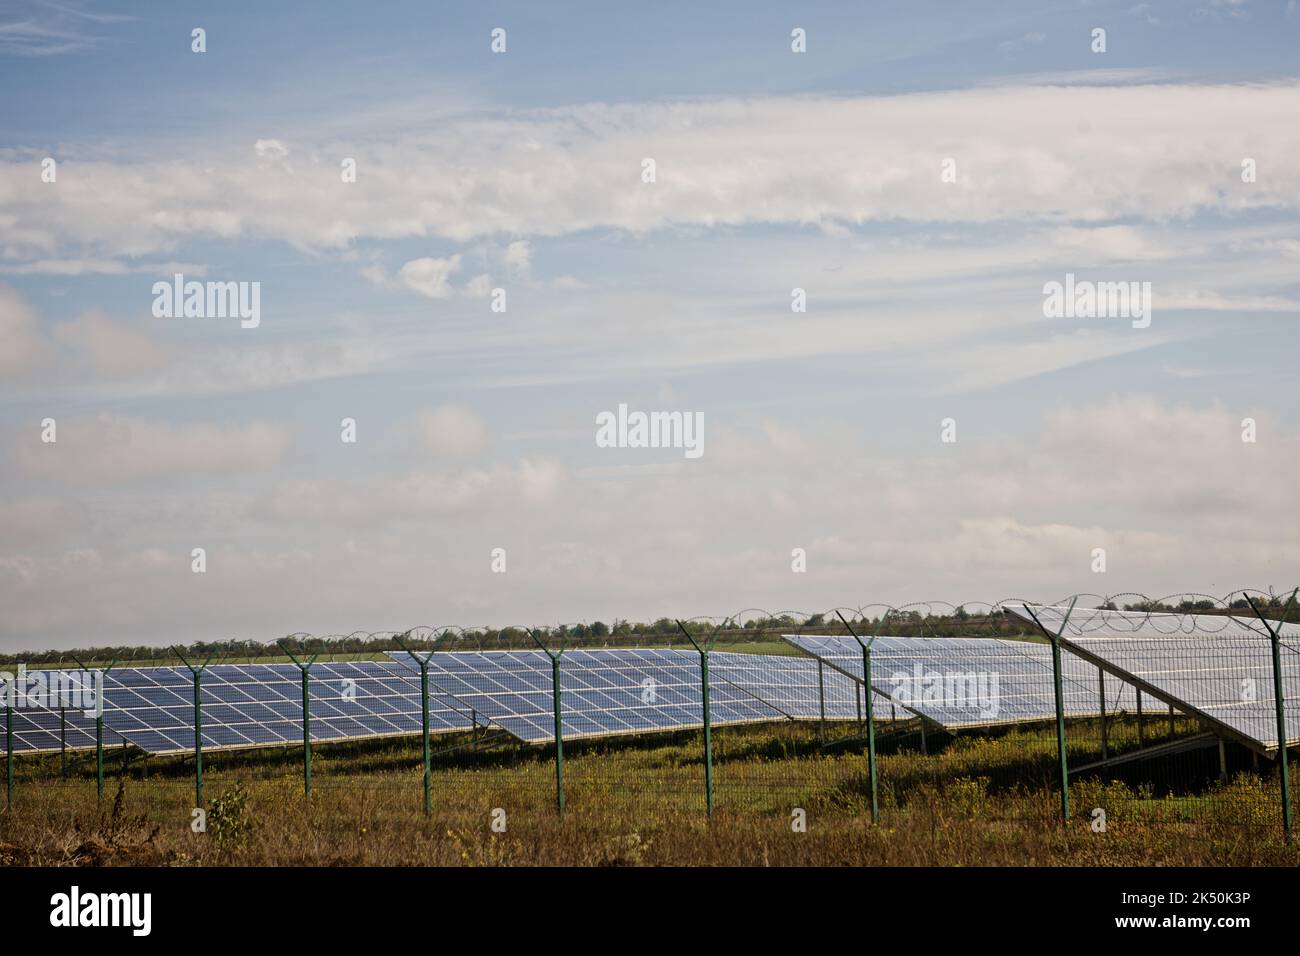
{"x":1218,"y":667}
{"x":604,"y":693}
{"x":613,"y":692}
{"x":256,"y":705}
{"x":972,"y":682}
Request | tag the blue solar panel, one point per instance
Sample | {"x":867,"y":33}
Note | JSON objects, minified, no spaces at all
{"x":971,"y":682}
{"x":603,"y":692}
{"x":611,"y":692}
{"x":797,"y":686}
{"x":1204,"y":662}
{"x":255,"y":705}
{"x":44,"y":722}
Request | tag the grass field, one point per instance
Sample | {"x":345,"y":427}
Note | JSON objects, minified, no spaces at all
{"x":978,"y":800}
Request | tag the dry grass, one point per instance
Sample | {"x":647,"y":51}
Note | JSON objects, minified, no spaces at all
{"x":981,"y":801}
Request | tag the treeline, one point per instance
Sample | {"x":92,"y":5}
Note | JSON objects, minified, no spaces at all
{"x":620,"y":633}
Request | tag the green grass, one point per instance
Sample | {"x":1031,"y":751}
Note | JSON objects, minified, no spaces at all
{"x":986,"y":799}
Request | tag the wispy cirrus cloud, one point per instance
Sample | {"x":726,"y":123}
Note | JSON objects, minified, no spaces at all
{"x":43,"y":28}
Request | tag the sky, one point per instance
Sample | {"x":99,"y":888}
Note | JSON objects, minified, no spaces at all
{"x":922,"y":429}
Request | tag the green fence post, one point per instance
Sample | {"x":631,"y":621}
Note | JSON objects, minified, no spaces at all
{"x":1283,"y":770}
{"x":9,"y":745}
{"x":306,"y":715}
{"x":1060,"y":703}
{"x":423,"y":663}
{"x":559,"y":719}
{"x":559,"y":735}
{"x":708,"y":722}
{"x":428,"y":755}
{"x":99,"y":729}
{"x":198,"y":740}
{"x":198,"y":724}
{"x":871,"y":714}
{"x":99,"y":757}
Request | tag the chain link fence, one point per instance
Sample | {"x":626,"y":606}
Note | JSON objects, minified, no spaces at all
{"x":1098,"y":713}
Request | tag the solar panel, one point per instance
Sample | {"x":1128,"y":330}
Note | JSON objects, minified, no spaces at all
{"x":971,"y":682}
{"x":796,"y":686}
{"x":37,"y":730}
{"x":43,"y":724}
{"x":1217,"y":667}
{"x":256,"y":705}
{"x":603,"y":692}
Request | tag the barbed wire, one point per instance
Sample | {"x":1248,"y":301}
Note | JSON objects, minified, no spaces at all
{"x":1180,"y":612}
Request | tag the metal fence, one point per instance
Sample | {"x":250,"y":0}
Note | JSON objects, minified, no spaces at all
{"x":1066,"y":720}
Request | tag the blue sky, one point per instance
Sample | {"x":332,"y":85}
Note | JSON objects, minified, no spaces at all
{"x":522,"y":171}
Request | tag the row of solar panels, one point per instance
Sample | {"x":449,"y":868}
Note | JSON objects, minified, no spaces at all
{"x":1215,"y":667}
{"x":1218,"y":668}
{"x":603,"y":693}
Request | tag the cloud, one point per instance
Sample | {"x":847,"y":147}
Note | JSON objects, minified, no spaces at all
{"x":429,"y":276}
{"x":1025,"y":153}
{"x":421,"y":495}
{"x":270,"y":149}
{"x":519,"y":258}
{"x":113,"y":350}
{"x":109,"y":448}
{"x":37,"y":519}
{"x":22,"y":348}
{"x":1169,"y":490}
{"x":453,"y":431}
{"x":49,"y":29}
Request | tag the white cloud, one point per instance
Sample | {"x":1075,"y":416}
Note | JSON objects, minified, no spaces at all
{"x":22,"y":347}
{"x":562,"y":171}
{"x":519,"y":258}
{"x":422,"y":495}
{"x":109,"y":448}
{"x":270,"y":149}
{"x":113,"y":350}
{"x":453,"y":431}
{"x":1170,"y":491}
{"x":429,"y":276}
